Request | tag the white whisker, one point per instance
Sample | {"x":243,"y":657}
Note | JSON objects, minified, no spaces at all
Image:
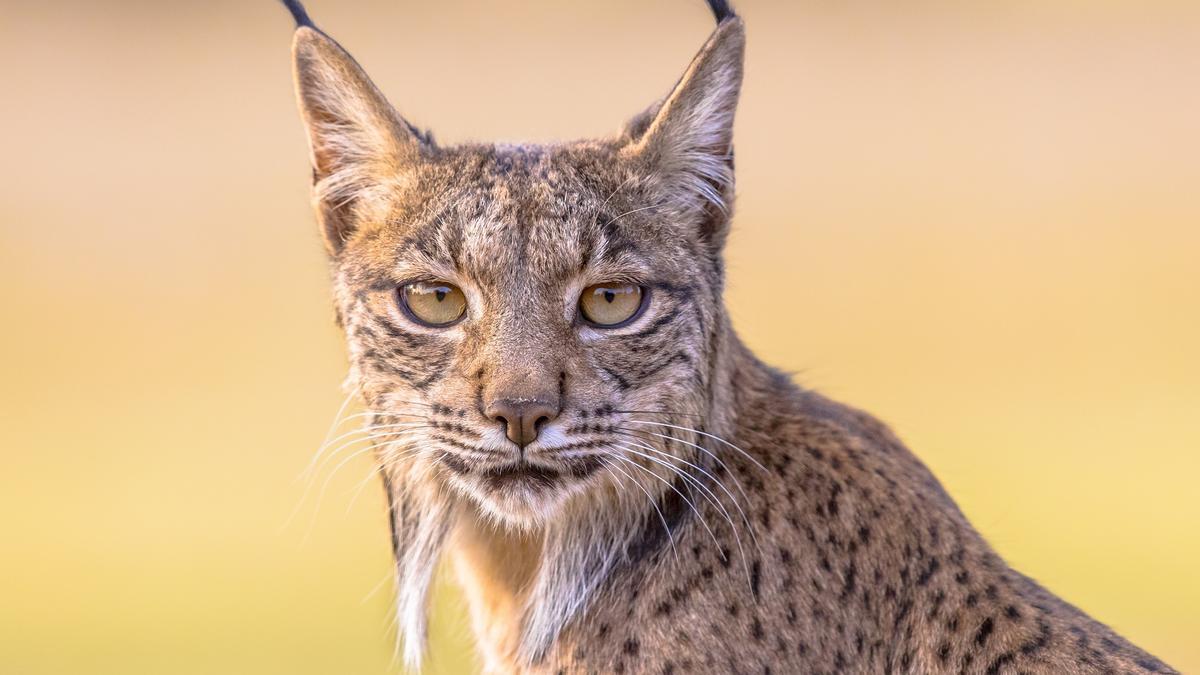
{"x":379,"y":466}
{"x":630,"y":212}
{"x":712,"y":498}
{"x":736,"y":481}
{"x":329,"y":478}
{"x":327,"y":443}
{"x":367,"y":434}
{"x":706,"y":434}
{"x":599,"y":209}
{"x":653,"y":503}
{"x":676,"y":490}
{"x":333,"y":426}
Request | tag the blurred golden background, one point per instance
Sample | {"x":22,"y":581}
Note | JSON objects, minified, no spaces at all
{"x":979,"y":220}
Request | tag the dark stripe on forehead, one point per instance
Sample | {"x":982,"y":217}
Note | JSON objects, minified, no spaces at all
{"x":587,"y":249}
{"x":613,"y":242}
{"x":440,"y":238}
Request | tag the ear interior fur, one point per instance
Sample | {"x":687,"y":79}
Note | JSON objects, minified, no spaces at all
{"x":686,"y":142}
{"x":359,"y":144}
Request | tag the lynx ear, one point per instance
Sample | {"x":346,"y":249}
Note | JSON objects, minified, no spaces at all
{"x":359,"y":143}
{"x":686,"y":142}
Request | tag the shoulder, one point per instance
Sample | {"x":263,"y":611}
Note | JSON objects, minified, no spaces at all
{"x":800,"y":433}
{"x":779,"y":415}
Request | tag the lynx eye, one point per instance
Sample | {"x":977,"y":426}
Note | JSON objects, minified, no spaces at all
{"x":433,"y":303}
{"x":611,"y":305}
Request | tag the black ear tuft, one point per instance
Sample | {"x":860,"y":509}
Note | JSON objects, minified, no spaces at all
{"x":721,"y":9}
{"x":298,"y":13}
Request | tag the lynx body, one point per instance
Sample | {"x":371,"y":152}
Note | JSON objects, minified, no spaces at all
{"x":560,"y":405}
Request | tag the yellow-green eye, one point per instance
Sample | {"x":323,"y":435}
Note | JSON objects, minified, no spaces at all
{"x":433,"y":303}
{"x":611,"y":305}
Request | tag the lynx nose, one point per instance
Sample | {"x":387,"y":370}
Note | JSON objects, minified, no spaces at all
{"x":522,"y":418}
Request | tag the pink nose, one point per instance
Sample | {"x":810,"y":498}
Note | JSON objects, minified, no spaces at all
{"x":522,"y":418}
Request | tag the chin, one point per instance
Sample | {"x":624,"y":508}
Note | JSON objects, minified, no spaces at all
{"x":525,"y":494}
{"x":524,"y":498}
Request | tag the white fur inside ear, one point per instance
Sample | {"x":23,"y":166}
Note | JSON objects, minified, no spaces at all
{"x":699,"y":160}
{"x":358,"y":144}
{"x":689,"y":143}
{"x":349,"y":146}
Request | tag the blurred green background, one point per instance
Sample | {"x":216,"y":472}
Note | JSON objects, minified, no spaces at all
{"x":978,"y":220}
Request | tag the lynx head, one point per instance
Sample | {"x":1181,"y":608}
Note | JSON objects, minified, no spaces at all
{"x":529,"y":324}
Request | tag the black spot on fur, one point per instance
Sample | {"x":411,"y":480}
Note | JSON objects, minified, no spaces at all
{"x":928,"y":572}
{"x":985,"y":630}
{"x":850,"y":575}
{"x":999,"y":662}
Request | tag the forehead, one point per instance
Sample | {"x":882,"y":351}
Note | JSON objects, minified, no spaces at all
{"x":515,"y":216}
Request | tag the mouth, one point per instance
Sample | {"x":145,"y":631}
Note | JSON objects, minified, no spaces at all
{"x":526,"y":475}
{"x":520,"y":475}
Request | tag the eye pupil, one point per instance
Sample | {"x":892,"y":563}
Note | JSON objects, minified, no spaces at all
{"x":609,"y":296}
{"x":441,"y":294}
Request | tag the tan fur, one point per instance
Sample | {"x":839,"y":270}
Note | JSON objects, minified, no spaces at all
{"x":496,"y":570}
{"x":687,"y":508}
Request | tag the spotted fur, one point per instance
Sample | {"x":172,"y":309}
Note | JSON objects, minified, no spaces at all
{"x":686,"y":508}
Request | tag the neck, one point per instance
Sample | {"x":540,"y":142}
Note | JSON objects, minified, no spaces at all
{"x":497,"y":570}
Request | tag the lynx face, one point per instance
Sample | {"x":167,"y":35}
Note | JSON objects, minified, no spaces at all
{"x":523,"y":398}
{"x":527,"y":323}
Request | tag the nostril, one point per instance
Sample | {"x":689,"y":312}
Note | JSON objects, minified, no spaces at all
{"x":540,"y":422}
